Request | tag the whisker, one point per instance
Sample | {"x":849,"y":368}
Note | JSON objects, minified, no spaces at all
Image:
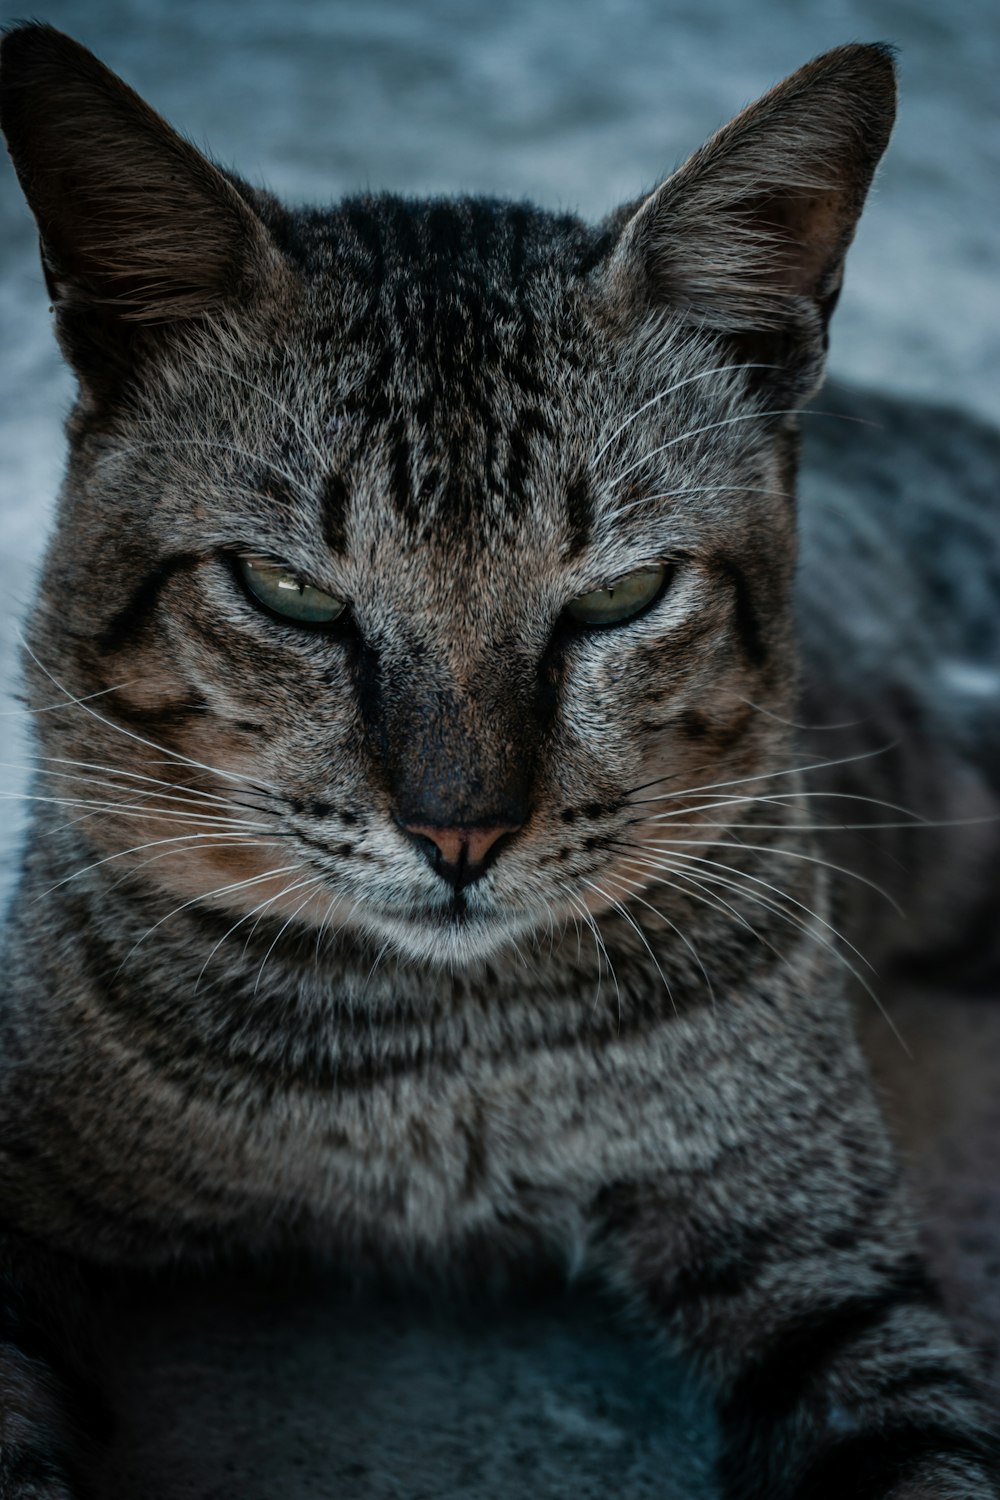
{"x":791,"y":723}
{"x":752,"y":416}
{"x":716,"y":903}
{"x":136,"y":810}
{"x":174,"y":755}
{"x":743,"y":875}
{"x":177,"y":796}
{"x":221,"y":890}
{"x":233,"y":841}
{"x":245,"y":917}
{"x":795,"y":921}
{"x":51,"y":708}
{"x":816,"y":765}
{"x":599,"y":948}
{"x":662,"y":396}
{"x":812,"y":859}
{"x":618,"y":907}
{"x":193,"y":791}
{"x":634,"y":896}
{"x":309,"y":884}
{"x":701,"y":489}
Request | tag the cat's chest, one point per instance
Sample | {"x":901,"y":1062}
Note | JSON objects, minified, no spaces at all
{"x":422,"y":1159}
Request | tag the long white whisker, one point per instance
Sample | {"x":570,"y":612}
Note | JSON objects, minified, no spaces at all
{"x":51,"y":708}
{"x":635,"y":885}
{"x":714,"y":786}
{"x":600,"y":950}
{"x":783,"y":853}
{"x":662,"y":396}
{"x":702,"y":489}
{"x":178,"y":795}
{"x":742,"y":875}
{"x":683,"y":437}
{"x":228,"y":841}
{"x":192,"y":791}
{"x":138,"y":810}
{"x":140,"y":739}
{"x":717,"y":903}
{"x":309,"y":883}
{"x":221,"y":890}
{"x":795,"y":921}
{"x":233,"y":840}
{"x":622,"y":911}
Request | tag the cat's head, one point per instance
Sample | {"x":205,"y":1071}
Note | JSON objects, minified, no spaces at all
{"x":423,"y":554}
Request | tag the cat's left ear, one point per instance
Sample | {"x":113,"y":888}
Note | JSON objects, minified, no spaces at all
{"x":748,"y":238}
{"x":140,"y":232}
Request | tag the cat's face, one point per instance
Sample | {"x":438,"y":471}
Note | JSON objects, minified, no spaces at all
{"x":418,"y":593}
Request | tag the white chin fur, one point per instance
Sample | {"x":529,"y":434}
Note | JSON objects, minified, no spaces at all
{"x":448,"y":945}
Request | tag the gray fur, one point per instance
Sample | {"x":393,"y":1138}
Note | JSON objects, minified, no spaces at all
{"x":285,"y":1028}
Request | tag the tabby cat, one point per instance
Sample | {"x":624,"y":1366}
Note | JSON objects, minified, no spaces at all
{"x":419,"y":604}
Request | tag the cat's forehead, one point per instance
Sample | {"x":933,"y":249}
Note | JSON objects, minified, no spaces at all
{"x":447,"y":343}
{"x":476,"y":251}
{"x":463,"y":312}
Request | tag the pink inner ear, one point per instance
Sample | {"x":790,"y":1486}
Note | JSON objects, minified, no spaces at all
{"x":807,"y":234}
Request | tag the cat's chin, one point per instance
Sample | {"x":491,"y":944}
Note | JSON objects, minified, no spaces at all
{"x":446,"y":939}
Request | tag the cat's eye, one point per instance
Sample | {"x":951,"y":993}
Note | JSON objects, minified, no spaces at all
{"x":280,"y":590}
{"x":620,"y":600}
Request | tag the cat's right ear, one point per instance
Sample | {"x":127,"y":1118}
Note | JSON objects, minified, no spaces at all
{"x":747,"y":239}
{"x":138,"y":229}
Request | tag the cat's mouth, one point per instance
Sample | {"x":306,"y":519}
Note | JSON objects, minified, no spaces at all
{"x":452,"y":934}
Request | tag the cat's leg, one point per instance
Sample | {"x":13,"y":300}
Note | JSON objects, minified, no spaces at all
{"x":792,"y":1273}
{"x":50,"y":1408}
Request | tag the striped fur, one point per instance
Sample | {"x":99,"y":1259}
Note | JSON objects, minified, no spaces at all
{"x":242,"y":1005}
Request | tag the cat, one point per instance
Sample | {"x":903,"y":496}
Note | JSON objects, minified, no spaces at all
{"x":421,"y":596}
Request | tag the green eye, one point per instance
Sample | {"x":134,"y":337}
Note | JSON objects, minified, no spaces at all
{"x":278,"y":589}
{"x":620,"y":600}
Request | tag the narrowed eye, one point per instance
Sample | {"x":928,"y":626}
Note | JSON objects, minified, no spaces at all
{"x":620,"y":600}
{"x":279,"y":590}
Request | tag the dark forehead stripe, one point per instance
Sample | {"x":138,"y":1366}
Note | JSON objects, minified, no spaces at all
{"x":453,"y":338}
{"x":334,"y":502}
{"x":579,"y":516}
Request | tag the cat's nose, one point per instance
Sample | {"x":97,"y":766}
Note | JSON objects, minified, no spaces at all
{"x":460,"y":855}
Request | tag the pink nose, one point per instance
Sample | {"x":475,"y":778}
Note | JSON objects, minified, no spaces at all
{"x":462,"y":849}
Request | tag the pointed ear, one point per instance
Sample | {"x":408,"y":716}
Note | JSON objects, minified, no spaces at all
{"x":136,"y":226}
{"x":749,"y":236}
